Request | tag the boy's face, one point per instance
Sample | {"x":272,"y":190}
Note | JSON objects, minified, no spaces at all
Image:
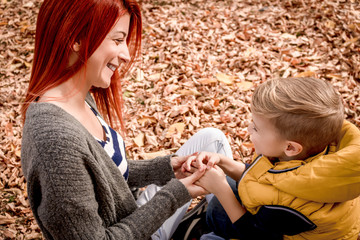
{"x":266,"y":137}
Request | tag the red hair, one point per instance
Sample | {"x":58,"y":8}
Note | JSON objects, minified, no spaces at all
{"x":61,"y":24}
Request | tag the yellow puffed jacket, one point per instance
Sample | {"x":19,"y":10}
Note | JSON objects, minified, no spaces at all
{"x":324,"y":188}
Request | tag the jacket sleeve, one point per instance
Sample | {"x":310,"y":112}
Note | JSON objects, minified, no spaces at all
{"x":272,"y":222}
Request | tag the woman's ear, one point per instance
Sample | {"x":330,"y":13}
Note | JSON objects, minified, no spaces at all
{"x":293,"y":149}
{"x":76,"y":47}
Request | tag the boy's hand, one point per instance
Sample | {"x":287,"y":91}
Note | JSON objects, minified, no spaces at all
{"x":193,"y":189}
{"x":202,"y":161}
{"x":213,"y":179}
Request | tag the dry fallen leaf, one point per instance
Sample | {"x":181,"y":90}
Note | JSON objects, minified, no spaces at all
{"x":176,"y":128}
{"x":161,"y":66}
{"x":306,"y":74}
{"x":245,"y":85}
{"x":144,"y":120}
{"x":248,"y":145}
{"x":207,"y":80}
{"x":170,"y":89}
{"x":151,"y":155}
{"x":6,"y":220}
{"x":334,"y":76}
{"x":139,"y":139}
{"x":154,"y":77}
{"x":221,"y":77}
{"x":151,"y":139}
{"x":188,"y":92}
{"x":139,"y":75}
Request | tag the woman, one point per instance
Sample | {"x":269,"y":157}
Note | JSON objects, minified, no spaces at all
{"x":68,"y":149}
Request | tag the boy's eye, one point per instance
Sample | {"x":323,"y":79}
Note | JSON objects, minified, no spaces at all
{"x":252,"y":126}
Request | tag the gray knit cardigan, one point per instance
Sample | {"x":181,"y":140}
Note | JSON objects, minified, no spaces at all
{"x":76,"y":191}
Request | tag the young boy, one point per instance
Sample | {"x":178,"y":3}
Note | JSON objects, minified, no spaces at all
{"x":304,"y":180}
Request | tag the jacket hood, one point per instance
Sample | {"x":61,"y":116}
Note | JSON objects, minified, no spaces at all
{"x":331,"y":176}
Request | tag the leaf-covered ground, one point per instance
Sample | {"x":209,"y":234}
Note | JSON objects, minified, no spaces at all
{"x":201,"y":61}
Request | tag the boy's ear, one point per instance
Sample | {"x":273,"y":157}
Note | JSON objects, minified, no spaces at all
{"x":293,"y":149}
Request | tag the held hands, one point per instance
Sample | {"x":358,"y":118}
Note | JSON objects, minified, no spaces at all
{"x":189,"y":182}
{"x":203,"y":169}
{"x":188,"y":178}
{"x":199,"y":172}
{"x":177,"y":163}
{"x":201,"y":161}
{"x":213,"y":179}
{"x":214,"y":176}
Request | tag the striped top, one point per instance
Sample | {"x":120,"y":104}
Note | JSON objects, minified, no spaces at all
{"x":113,"y":145}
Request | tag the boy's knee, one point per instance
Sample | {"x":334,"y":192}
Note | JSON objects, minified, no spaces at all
{"x":211,"y":132}
{"x":214,"y":140}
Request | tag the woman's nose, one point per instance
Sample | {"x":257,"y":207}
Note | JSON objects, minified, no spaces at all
{"x":124,"y":55}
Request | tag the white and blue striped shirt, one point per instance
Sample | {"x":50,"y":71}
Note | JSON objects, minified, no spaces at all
{"x":114,"y":146}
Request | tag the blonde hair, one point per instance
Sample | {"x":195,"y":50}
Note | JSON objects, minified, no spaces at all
{"x":305,"y":110}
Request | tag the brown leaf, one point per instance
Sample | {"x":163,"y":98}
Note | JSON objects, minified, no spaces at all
{"x":144,"y":120}
{"x":9,"y":129}
{"x":227,"y":79}
{"x":170,"y":88}
{"x":9,"y":233}
{"x":154,"y":77}
{"x":151,"y":139}
{"x":306,"y":74}
{"x":139,"y":139}
{"x":152,"y":155}
{"x":351,"y":41}
{"x":334,"y":76}
{"x":249,"y":145}
{"x":161,"y":66}
{"x":245,"y":85}
{"x":330,"y":24}
{"x":139,"y":75}
{"x":207,"y":80}
{"x":189,"y":92}
{"x":6,"y":220}
{"x":176,"y":128}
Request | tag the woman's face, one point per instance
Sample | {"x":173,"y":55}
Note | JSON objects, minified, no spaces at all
{"x":109,"y":55}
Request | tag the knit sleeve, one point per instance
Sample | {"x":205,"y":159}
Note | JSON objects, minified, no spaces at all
{"x":144,"y":172}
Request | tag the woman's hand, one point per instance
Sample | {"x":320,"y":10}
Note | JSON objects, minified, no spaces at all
{"x":189,"y":182}
{"x":178,"y":161}
{"x":203,"y":160}
{"x":213,"y":179}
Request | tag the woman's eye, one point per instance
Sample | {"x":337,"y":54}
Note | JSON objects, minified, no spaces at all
{"x":118,"y":41}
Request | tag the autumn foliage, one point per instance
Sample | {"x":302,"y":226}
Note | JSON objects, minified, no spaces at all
{"x":201,"y":61}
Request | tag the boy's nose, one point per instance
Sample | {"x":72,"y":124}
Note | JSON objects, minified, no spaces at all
{"x":249,"y":129}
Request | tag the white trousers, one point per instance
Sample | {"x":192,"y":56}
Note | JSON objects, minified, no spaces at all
{"x":208,"y":140}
